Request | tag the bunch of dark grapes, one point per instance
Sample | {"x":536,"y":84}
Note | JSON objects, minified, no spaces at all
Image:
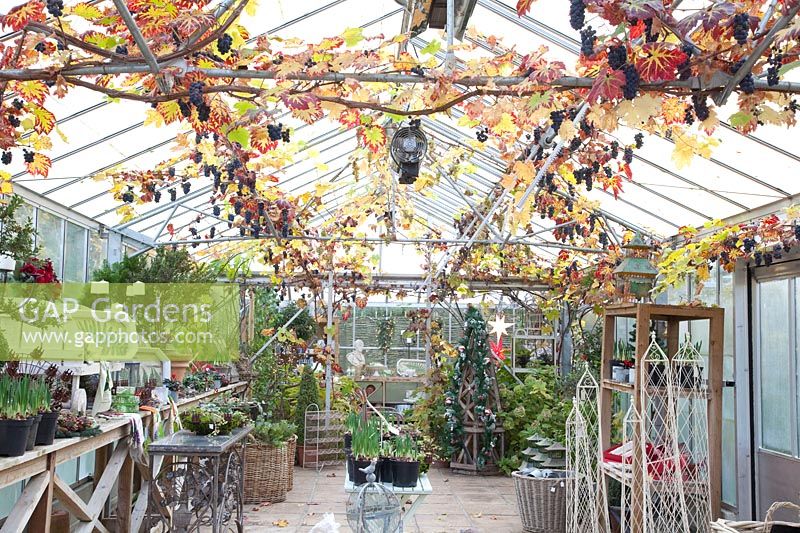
{"x":121,"y":50}
{"x":186,"y":186}
{"x":6,"y":158}
{"x":588,"y":38}
{"x":614,"y":149}
{"x":128,"y":196}
{"x":186,"y":110}
{"x":256,"y":230}
{"x":775,"y":62}
{"x":212,"y":232}
{"x":639,"y":140}
{"x":216,"y":210}
{"x":628,"y":155}
{"x":27,"y":155}
{"x":224,"y":43}
{"x":40,"y":47}
{"x":419,"y":71}
{"x":18,"y":104}
{"x":632,"y":79}
{"x":575,"y":143}
{"x":577,"y":14}
{"x":741,"y":27}
{"x":748,"y":244}
{"x":14,"y":121}
{"x":157,"y":196}
{"x":55,"y":7}
{"x":617,"y":56}
{"x":557,"y":117}
{"x":482,"y":135}
{"x":198,"y":158}
{"x":203,"y":113}
{"x":196,"y":93}
{"x":173,"y":194}
{"x":700,"y":107}
{"x":747,"y":85}
{"x":603,"y":238}
{"x":688,"y":116}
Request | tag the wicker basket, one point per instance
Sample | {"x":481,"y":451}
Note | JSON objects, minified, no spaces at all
{"x":748,"y":526}
{"x":542,"y":503}
{"x":266,"y":473}
{"x":291,"y":456}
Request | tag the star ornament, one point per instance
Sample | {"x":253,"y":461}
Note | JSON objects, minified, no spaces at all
{"x":500,"y":326}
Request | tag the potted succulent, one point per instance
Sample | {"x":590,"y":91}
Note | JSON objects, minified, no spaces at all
{"x":366,"y":447}
{"x":74,"y":425}
{"x":406,"y":462}
{"x":174,"y":387}
{"x":15,"y":420}
{"x":213,"y":419}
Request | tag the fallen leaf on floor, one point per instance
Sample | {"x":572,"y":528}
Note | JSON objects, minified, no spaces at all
{"x":492,"y":518}
{"x":280,"y":523}
{"x":445,"y":480}
{"x":332,"y":474}
{"x":477,"y":515}
{"x":409,"y":502}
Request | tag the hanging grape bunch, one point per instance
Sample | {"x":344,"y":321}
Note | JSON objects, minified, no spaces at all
{"x":55,"y":7}
{"x":741,"y":24}
{"x":224,"y":43}
{"x":747,"y":85}
{"x":577,"y":14}
{"x":588,"y":38}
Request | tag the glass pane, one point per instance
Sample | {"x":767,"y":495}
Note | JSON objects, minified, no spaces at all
{"x":24,"y":213}
{"x":75,"y":256}
{"x":729,"y":495}
{"x":775,"y":377}
{"x":97,"y":251}
{"x":51,"y":238}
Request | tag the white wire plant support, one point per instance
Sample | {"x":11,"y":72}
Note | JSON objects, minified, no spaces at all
{"x":662,"y":446}
{"x":587,"y":505}
{"x":323,"y":438}
{"x":691,"y":397}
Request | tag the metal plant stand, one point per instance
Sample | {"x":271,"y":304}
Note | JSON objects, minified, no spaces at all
{"x":196,"y":482}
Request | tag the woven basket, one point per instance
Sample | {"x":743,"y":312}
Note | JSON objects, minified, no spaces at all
{"x":542,"y":503}
{"x":266,"y":473}
{"x":290,"y":459}
{"x":748,"y":526}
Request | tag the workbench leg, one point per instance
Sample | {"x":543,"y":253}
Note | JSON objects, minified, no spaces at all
{"x":125,"y":496}
{"x":42,"y":514}
{"x":409,"y":515}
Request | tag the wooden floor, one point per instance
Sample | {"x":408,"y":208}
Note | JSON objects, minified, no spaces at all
{"x":458,"y":504}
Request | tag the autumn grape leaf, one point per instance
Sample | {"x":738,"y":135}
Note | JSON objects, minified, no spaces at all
{"x":6,"y":187}
{"x":432,"y":47}
{"x":259,"y":139}
{"x":239,"y":135}
{"x":613,"y":184}
{"x":660,"y":62}
{"x":523,"y":6}
{"x":44,"y":120}
{"x":353,"y":36}
{"x":18,"y":17}
{"x":40,"y":166}
{"x":373,"y":137}
{"x":504,"y":125}
{"x":305,"y":106}
{"x":85,"y":11}
{"x":31,"y":90}
{"x":169,"y":110}
{"x":153,"y":118}
{"x":607,"y":86}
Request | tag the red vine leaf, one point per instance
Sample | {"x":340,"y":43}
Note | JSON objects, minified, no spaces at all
{"x":373,"y":137}
{"x":31,"y":90}
{"x":304,"y":106}
{"x":18,"y":17}
{"x":259,"y":139}
{"x":523,"y":6}
{"x":660,"y":62}
{"x":607,"y":86}
{"x":43,"y":120}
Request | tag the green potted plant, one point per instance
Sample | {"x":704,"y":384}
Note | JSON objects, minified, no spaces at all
{"x":308,"y":394}
{"x":213,"y":419}
{"x":366,"y":447}
{"x":406,"y":462}
{"x":49,"y":413}
{"x":268,"y":465}
{"x":15,"y":422}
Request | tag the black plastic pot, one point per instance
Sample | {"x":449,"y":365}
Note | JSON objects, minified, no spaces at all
{"x":686,"y":377}
{"x":359,"y":477}
{"x":47,"y":429}
{"x":14,"y":436}
{"x":349,"y":463}
{"x":406,"y":473}
{"x":31,"y":442}
{"x":386,"y":470}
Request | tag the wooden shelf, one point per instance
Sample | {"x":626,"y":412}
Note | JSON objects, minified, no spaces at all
{"x":653,"y":391}
{"x":618,"y":386}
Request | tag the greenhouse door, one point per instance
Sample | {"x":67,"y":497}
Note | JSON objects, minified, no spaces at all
{"x":776,"y":345}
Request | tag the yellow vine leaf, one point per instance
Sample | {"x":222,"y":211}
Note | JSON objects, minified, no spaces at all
{"x":504,"y":125}
{"x":153,"y":118}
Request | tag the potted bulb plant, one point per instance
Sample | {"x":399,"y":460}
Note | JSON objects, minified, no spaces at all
{"x":15,"y":422}
{"x":33,"y":404}
{"x":386,"y":462}
{"x":406,"y":462}
{"x":366,"y":447}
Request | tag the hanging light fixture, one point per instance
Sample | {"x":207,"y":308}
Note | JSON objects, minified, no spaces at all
{"x":408,"y":147}
{"x":635,"y":275}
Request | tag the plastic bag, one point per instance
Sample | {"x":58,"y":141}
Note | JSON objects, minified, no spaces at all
{"x":328,"y":524}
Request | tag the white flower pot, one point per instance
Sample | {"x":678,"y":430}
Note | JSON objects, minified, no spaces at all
{"x":632,"y":375}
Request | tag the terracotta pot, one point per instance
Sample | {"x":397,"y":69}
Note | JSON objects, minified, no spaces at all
{"x":179,"y":368}
{"x":306,"y":455}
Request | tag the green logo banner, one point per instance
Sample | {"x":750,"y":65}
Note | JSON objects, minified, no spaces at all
{"x":119,"y":322}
